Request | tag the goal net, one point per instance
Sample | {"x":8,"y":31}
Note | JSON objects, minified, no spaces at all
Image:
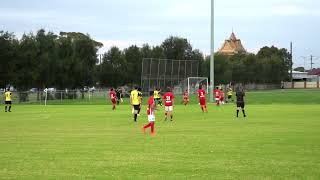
{"x":163,"y":73}
{"x":192,"y":85}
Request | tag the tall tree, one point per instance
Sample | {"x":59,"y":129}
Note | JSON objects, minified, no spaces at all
{"x":113,"y":71}
{"x":8,"y":54}
{"x":133,"y":57}
{"x":177,"y":48}
{"x":26,"y":65}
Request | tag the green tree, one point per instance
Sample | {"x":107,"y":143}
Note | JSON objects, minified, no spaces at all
{"x":177,"y":48}
{"x":26,"y":65}
{"x":158,"y":52}
{"x":79,"y":58}
{"x":279,"y":62}
{"x":8,"y":54}
{"x":300,"y":69}
{"x":113,"y":71}
{"x":133,"y":57}
{"x":223,"y":69}
{"x":45,"y":74}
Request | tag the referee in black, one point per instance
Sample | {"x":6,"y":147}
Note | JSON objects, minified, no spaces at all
{"x":119,"y":95}
{"x":240,"y":94}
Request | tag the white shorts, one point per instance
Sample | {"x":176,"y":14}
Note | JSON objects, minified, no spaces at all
{"x":168,"y":108}
{"x":217,"y":99}
{"x":151,"y":118}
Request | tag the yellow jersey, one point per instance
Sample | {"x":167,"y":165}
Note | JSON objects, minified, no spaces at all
{"x":156,"y":95}
{"x":8,"y":95}
{"x":230,"y":92}
{"x":135,"y":98}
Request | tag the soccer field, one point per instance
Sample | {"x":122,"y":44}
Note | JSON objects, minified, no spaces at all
{"x":280,"y":139}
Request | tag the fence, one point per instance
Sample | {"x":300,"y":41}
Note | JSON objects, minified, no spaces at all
{"x":38,"y":97}
{"x":301,"y":85}
{"x":262,"y":86}
{"x":160,"y":73}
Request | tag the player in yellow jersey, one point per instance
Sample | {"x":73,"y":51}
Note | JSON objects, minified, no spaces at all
{"x":8,"y":100}
{"x":135,"y":101}
{"x":157,"y":97}
{"x":230,"y":93}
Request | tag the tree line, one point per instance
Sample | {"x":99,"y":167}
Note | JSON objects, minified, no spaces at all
{"x":270,"y":65}
{"x":69,"y":60}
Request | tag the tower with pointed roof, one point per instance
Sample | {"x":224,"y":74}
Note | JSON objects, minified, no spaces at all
{"x":232,"y":46}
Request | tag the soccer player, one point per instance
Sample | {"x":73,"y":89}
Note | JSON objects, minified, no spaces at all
{"x":221,"y":96}
{"x":169,"y":102}
{"x":240,"y":101}
{"x":185,"y":97}
{"x":230,"y":93}
{"x":113,"y":98}
{"x":202,"y":99}
{"x":151,"y":115}
{"x":140,"y":96}
{"x":157,"y":97}
{"x":119,"y":95}
{"x":135,"y":101}
{"x":217,"y":95}
{"x":8,"y":100}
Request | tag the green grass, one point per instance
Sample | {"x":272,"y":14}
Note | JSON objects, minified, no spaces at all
{"x":280,"y":139}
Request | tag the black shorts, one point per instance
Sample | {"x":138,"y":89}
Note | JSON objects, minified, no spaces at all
{"x":229,"y":97}
{"x":136,"y":107}
{"x":240,"y":104}
{"x":157,"y":99}
{"x":8,"y":102}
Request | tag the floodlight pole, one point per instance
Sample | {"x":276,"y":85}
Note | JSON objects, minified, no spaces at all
{"x":212,"y":53}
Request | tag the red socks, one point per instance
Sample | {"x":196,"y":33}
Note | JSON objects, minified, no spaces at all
{"x":147,"y":126}
{"x":152,"y":128}
{"x":151,"y":124}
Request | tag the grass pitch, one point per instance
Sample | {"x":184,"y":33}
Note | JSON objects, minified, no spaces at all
{"x":280,"y":139}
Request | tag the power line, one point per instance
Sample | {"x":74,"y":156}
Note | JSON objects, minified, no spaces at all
{"x":312,"y":60}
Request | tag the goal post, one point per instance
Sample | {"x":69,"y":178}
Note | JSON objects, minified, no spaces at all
{"x":191,"y":84}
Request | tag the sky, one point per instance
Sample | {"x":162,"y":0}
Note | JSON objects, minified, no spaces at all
{"x":135,"y":22}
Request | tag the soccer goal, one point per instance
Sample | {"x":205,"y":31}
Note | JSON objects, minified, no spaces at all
{"x":192,"y":84}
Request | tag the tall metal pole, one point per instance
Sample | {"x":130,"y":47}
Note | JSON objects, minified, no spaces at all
{"x":311,"y":58}
{"x":291,"y":59}
{"x":212,"y":53}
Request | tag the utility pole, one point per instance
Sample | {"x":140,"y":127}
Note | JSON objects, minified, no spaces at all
{"x":311,"y":62}
{"x":291,"y":59}
{"x":212,"y":53}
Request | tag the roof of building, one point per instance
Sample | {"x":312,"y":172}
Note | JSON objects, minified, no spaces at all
{"x":314,"y":72}
{"x":232,"y":46}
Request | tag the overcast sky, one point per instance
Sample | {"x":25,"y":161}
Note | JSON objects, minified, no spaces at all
{"x":126,"y":22}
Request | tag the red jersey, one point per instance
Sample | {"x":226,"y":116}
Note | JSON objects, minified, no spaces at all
{"x":201,"y":94}
{"x":168,"y":99}
{"x":217,"y":93}
{"x":222,"y":94}
{"x":150,"y":110}
{"x":112,"y":95}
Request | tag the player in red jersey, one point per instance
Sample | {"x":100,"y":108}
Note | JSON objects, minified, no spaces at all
{"x":185,"y":97}
{"x":202,"y":99}
{"x":113,"y":98}
{"x":217,"y":95}
{"x":151,"y":116}
{"x":168,"y":105}
{"x":221,"y":96}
